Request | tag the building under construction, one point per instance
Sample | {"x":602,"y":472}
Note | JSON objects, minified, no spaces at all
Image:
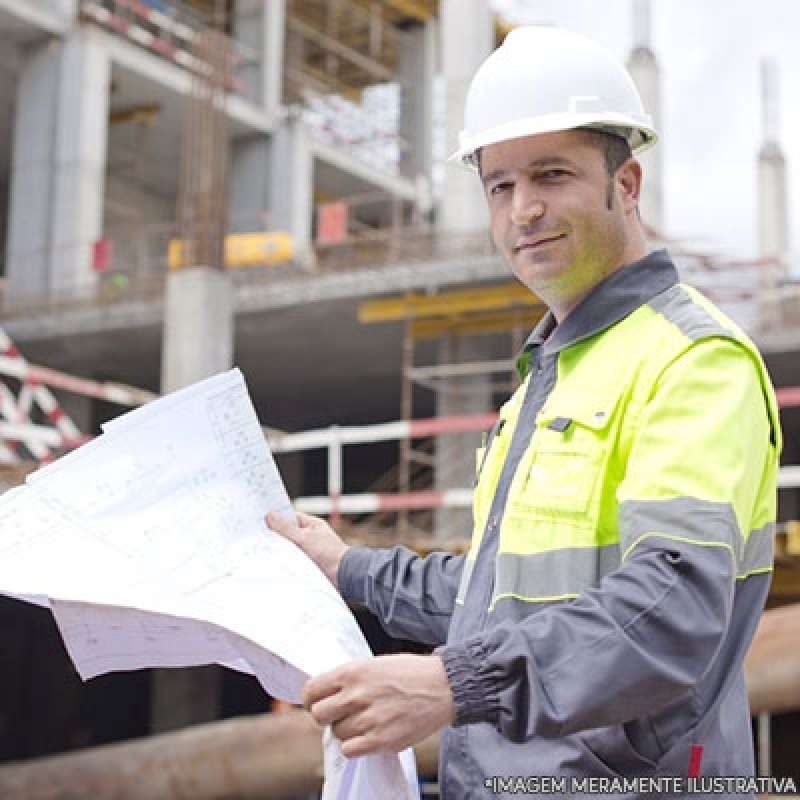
{"x":185,"y":186}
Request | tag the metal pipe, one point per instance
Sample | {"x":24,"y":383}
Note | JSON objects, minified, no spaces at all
{"x":772,"y":665}
{"x":268,"y":757}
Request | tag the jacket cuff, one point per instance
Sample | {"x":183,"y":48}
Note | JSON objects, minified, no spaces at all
{"x":352,"y":574}
{"x":471,"y":681}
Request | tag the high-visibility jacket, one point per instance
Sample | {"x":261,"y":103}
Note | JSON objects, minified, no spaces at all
{"x":621,"y":555}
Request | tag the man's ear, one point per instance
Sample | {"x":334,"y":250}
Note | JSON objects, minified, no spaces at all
{"x":628,"y":181}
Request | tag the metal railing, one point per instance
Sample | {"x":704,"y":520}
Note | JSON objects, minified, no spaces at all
{"x":144,"y":280}
{"x":141,"y":277}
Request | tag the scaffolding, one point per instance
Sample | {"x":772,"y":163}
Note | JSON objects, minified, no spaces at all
{"x":462,"y":388}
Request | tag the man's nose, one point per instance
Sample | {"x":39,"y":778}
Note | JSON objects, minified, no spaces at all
{"x":527,"y":206}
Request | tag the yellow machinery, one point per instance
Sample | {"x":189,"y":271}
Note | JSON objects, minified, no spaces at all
{"x":261,"y":249}
{"x":487,"y":309}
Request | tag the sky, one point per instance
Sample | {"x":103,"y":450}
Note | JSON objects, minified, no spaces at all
{"x":710,"y":54}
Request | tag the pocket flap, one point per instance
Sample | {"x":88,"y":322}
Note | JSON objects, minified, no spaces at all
{"x":560,"y":417}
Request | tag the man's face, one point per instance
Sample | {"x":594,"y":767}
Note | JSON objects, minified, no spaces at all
{"x":560,"y":221}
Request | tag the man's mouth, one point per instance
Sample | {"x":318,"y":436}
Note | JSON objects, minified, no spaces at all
{"x":534,"y":242}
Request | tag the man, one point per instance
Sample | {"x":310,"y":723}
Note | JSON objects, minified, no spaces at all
{"x":625,"y":504}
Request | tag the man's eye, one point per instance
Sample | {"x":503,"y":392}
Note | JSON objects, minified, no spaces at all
{"x":499,"y":188}
{"x":555,"y":173}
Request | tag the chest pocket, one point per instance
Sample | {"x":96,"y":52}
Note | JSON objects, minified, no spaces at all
{"x":559,"y":479}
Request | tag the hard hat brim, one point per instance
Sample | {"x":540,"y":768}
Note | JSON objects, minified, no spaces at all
{"x":638,"y":131}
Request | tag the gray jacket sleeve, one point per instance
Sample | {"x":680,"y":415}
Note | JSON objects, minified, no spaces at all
{"x":645,"y":636}
{"x":413,"y":597}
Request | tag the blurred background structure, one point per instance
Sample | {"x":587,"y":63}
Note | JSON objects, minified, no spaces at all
{"x":194,"y":184}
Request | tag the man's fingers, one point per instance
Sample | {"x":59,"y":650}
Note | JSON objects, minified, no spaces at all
{"x":320,"y":688}
{"x":314,"y":537}
{"x":383,"y":704}
{"x":359,"y":724}
{"x":276,"y":522}
{"x":359,"y":746}
{"x":281,"y":525}
{"x":330,"y":710}
{"x":287,"y":528}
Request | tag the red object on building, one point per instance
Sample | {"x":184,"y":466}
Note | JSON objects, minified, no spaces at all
{"x":102,"y":252}
{"x":331,"y":223}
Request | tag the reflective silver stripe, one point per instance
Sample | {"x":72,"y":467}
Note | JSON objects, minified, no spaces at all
{"x":686,"y":518}
{"x":552,"y":575}
{"x":466,"y":577}
{"x":759,"y":551}
{"x":678,"y":307}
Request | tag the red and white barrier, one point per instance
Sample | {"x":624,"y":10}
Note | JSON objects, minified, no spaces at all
{"x":162,"y":45}
{"x":382,"y":432}
{"x":42,"y":441}
{"x":18,"y":411}
{"x":163,"y":21}
{"x":788,"y":396}
{"x":334,"y":438}
{"x":369,"y":503}
{"x":113,"y":392}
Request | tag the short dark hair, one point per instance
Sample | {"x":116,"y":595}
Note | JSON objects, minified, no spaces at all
{"x":615,"y":148}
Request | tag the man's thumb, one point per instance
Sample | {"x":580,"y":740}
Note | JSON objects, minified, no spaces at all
{"x":279,"y":524}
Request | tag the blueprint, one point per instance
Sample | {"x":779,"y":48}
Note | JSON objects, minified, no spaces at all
{"x":148,"y":545}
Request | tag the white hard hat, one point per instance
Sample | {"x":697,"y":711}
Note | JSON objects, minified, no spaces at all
{"x":542,"y":80}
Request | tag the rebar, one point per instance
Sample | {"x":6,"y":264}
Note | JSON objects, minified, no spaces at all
{"x":202,"y":201}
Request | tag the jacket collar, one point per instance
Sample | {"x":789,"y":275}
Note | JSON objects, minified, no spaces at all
{"x":611,"y":300}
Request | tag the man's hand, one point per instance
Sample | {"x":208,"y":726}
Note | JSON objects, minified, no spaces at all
{"x":383,"y":704}
{"x":315,"y":538}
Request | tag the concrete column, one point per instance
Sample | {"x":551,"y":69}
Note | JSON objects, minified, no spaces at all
{"x":773,"y":197}
{"x":773,"y":217}
{"x":291,"y":184}
{"x":80,"y":158}
{"x":198,"y":342}
{"x":417,"y":72}
{"x":9,"y":73}
{"x":455,"y":452}
{"x":198,"y":326}
{"x":261,"y":28}
{"x":248,"y":184}
{"x":645,"y":72}
{"x":467,"y":32}
{"x":773,"y":203}
{"x":31,"y":181}
{"x":59,"y":158}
